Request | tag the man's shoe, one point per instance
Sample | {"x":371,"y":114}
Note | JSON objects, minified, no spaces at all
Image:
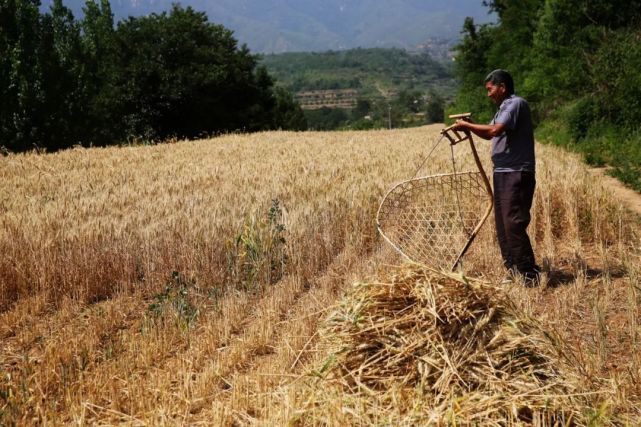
{"x":532,"y":278}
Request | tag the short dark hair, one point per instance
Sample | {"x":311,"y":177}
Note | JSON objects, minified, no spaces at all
{"x":498,"y":77}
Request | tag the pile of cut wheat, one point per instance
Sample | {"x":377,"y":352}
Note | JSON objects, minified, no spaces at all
{"x":457,"y":346}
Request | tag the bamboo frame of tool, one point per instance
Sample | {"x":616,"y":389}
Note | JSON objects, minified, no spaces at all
{"x":434,"y":219}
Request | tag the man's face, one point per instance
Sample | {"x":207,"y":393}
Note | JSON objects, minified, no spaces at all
{"x":496,"y":93}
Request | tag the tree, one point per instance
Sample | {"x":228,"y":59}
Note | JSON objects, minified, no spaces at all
{"x":99,"y":43}
{"x":565,"y":40}
{"x":577,"y":63}
{"x":472,"y":66}
{"x":287,"y":111}
{"x":513,"y":38}
{"x":64,"y":82}
{"x":63,"y":79}
{"x":180,"y":75}
{"x":326,"y":118}
{"x":615,"y":79}
{"x":362,"y":109}
{"x":42,"y":77}
{"x":409,"y":101}
{"x":435,"y":111}
{"x":21,"y":76}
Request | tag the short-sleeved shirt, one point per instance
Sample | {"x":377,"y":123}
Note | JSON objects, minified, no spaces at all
{"x":514,"y":149}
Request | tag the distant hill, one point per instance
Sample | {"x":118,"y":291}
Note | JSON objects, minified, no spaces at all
{"x":364,"y":88}
{"x":372,"y":73}
{"x":312,"y":25}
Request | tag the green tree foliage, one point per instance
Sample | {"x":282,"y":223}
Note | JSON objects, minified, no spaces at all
{"x":471,"y":66}
{"x":326,"y":118}
{"x":66,"y":82}
{"x":410,"y":100}
{"x":287,"y":112}
{"x":514,"y":36}
{"x":435,"y":110}
{"x":362,"y":109}
{"x":42,"y":77}
{"x":382,"y":78}
{"x":19,"y":79}
{"x":367,"y":70}
{"x":407,"y":109}
{"x":64,"y":79}
{"x":181,"y":76}
{"x":616,"y":77}
{"x":99,"y":42}
{"x":566,"y":37}
{"x":577,"y":63}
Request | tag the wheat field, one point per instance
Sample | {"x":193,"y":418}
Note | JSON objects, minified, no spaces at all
{"x":189,"y":283}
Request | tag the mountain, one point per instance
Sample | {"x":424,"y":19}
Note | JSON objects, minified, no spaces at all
{"x":313,"y":25}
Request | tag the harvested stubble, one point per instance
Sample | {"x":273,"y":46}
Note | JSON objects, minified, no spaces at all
{"x":457,"y":350}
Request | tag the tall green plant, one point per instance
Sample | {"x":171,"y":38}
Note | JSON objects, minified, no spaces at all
{"x":20,"y":74}
{"x":99,"y":41}
{"x":471,"y":68}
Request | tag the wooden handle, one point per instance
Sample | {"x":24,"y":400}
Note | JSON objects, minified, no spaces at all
{"x":447,"y":132}
{"x":488,"y":211}
{"x":447,"y":129}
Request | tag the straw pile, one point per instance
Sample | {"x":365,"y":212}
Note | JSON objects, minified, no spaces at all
{"x":436,"y":349}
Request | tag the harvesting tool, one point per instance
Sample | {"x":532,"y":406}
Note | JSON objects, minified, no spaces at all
{"x":433,"y":220}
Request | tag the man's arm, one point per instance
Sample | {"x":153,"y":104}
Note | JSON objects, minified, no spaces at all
{"x":483,"y":131}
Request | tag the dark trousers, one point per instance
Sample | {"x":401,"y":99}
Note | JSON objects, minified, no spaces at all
{"x":513,"y":192}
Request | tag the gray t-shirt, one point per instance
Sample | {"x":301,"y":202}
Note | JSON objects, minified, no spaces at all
{"x":514,"y":149}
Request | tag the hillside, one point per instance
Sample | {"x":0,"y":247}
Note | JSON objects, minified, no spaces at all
{"x":374,"y":73}
{"x":211,"y":282}
{"x":338,"y":89}
{"x":287,"y":26}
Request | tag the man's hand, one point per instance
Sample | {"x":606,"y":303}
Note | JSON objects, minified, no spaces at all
{"x":483,"y":131}
{"x":461,"y":125}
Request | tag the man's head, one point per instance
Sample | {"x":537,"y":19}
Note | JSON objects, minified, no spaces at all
{"x":499,"y":85}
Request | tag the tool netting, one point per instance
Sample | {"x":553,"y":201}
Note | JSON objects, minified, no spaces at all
{"x":432,"y":220}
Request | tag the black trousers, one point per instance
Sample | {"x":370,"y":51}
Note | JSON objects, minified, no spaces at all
{"x":513,"y":192}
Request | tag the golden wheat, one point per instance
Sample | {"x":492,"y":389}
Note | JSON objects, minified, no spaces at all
{"x":185,"y":283}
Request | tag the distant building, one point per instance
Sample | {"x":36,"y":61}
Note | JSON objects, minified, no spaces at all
{"x":337,"y":98}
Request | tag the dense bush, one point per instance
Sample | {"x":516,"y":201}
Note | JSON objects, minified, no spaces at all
{"x":326,"y":118}
{"x":581,"y":116}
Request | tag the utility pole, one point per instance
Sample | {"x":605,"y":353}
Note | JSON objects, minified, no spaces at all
{"x":389,"y":116}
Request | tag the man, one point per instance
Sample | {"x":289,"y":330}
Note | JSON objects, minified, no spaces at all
{"x":513,"y":158}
